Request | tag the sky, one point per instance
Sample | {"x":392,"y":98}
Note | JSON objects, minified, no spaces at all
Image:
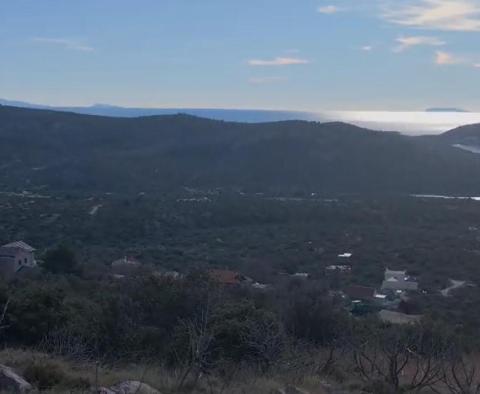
{"x":309,"y":55}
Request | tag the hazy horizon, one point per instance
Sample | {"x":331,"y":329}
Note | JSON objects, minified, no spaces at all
{"x":406,"y":122}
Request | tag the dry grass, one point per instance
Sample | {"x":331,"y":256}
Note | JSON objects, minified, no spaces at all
{"x":244,"y":382}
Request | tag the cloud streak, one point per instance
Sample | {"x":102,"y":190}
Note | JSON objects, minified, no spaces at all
{"x":447,"y":59}
{"x":405,"y":43}
{"x":445,"y":15}
{"x":277,"y":62}
{"x":64,"y":43}
{"x":328,"y":9}
{"x":265,"y":80}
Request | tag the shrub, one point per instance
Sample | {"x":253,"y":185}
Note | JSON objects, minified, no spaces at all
{"x":48,"y":375}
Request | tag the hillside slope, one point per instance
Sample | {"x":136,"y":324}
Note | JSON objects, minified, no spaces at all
{"x":65,"y":151}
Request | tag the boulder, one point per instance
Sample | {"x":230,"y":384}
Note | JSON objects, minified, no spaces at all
{"x":103,"y":390}
{"x":132,"y":387}
{"x":11,"y":382}
{"x":294,"y":390}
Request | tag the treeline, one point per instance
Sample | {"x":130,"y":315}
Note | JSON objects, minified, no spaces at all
{"x":202,"y":329}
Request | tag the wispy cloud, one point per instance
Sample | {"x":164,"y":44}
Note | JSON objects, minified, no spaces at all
{"x":405,"y":43}
{"x":447,"y":59}
{"x":328,"y":9}
{"x":266,"y":80}
{"x":278,"y":61}
{"x":446,"y":15}
{"x":367,"y":48}
{"x":64,"y":43}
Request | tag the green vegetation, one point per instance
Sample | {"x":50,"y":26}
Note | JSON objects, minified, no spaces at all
{"x":46,"y":150}
{"x":60,"y":260}
{"x":73,"y":308}
{"x":188,"y":195}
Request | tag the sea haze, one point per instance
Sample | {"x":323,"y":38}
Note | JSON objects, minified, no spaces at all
{"x":410,"y":123}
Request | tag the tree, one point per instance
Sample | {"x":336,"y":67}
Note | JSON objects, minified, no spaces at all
{"x":461,"y":373}
{"x":60,"y":260}
{"x":400,"y":358}
{"x":199,"y":339}
{"x":266,"y":340}
{"x":34,"y":311}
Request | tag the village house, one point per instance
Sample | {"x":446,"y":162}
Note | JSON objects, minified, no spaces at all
{"x":15,"y":257}
{"x":393,"y":317}
{"x":398,"y":281}
{"x":360,"y":293}
{"x":226,"y":277}
{"x":125,"y":266}
{"x":301,"y":275}
{"x":343,"y":269}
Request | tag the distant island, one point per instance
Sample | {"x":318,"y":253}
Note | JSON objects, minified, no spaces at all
{"x":445,"y":110}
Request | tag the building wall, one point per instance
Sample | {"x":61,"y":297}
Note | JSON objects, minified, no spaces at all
{"x":12,"y":260}
{"x":399,"y":275}
{"x":24,"y":259}
{"x":400,"y":285}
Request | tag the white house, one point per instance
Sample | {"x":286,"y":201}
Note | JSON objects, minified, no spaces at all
{"x":16,"y":256}
{"x":398,"y":280}
{"x":126,"y":266}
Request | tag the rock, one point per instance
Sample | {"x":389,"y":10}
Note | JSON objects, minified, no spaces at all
{"x":294,"y":390}
{"x":132,"y":387}
{"x":104,"y":390}
{"x":11,"y":382}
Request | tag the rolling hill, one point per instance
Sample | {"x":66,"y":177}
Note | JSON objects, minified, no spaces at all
{"x":231,"y":115}
{"x":41,"y":149}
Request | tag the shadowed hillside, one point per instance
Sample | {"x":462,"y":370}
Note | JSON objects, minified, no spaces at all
{"x":72,"y":152}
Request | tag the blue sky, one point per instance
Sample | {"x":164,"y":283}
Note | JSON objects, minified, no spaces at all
{"x":272,"y":54}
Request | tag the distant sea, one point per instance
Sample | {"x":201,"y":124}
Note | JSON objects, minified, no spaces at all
{"x":411,"y":123}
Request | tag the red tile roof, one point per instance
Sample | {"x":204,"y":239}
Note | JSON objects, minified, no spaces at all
{"x":360,"y":292}
{"x":225,"y":277}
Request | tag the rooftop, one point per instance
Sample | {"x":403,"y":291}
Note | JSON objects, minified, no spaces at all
{"x":126,"y":261}
{"x":19,"y":245}
{"x":225,"y":277}
{"x":360,"y":292}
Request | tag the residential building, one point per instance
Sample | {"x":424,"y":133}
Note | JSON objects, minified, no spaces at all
{"x":361,"y":293}
{"x":226,"y":277}
{"x":16,"y":256}
{"x":398,"y":281}
{"x":125,"y":266}
{"x":393,"y":317}
{"x":344,"y":269}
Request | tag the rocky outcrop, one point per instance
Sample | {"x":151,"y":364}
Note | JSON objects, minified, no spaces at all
{"x":11,"y":382}
{"x":325,"y":389}
{"x":129,"y":387}
{"x":294,"y":390}
{"x":289,"y":390}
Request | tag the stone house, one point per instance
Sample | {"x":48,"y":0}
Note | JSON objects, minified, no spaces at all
{"x":16,"y":256}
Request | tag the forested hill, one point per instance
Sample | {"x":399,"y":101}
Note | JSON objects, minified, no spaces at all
{"x":463,"y":134}
{"x":50,"y":150}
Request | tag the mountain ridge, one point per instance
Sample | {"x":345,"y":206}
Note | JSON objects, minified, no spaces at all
{"x":73,"y":152}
